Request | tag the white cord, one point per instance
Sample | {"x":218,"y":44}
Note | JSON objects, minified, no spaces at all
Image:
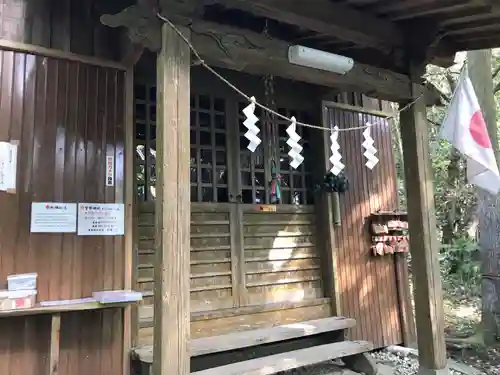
{"x":249,"y":99}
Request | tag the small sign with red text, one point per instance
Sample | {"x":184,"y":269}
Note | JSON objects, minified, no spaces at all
{"x":101,"y":219}
{"x":53,"y":217}
{"x":110,"y":170}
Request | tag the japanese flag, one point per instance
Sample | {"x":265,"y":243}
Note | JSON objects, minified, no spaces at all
{"x":464,"y":127}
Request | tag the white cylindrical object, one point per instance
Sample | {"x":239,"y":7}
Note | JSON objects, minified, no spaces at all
{"x":313,"y":58}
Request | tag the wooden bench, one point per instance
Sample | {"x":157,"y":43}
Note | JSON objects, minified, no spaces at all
{"x":291,"y":360}
{"x":275,"y":349}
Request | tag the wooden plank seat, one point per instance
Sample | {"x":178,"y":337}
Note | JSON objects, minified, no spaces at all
{"x":297,"y":344}
{"x":291,"y":360}
{"x":245,"y":339}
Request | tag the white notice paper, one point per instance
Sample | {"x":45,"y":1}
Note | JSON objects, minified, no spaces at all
{"x":101,"y":219}
{"x":110,"y":170}
{"x":8,"y":166}
{"x":51,"y":217}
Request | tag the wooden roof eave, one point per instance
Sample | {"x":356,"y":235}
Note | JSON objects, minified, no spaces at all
{"x":243,"y":50}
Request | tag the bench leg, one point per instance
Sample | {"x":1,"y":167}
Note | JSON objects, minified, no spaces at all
{"x":361,"y":363}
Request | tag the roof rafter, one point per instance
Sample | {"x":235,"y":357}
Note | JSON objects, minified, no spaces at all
{"x":328,"y":18}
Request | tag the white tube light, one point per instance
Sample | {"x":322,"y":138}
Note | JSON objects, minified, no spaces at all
{"x":313,"y":58}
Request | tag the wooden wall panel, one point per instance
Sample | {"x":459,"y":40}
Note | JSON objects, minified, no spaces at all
{"x":275,"y":270}
{"x":65,"y":25}
{"x":281,"y":260}
{"x":67,"y":116}
{"x":211,"y":282}
{"x":236,"y":320}
{"x":368,"y":287}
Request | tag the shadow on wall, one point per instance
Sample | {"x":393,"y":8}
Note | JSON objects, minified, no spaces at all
{"x":367,"y":283}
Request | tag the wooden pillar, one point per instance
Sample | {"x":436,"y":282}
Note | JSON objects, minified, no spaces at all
{"x":324,"y":210}
{"x":171,"y":301}
{"x":424,"y":248}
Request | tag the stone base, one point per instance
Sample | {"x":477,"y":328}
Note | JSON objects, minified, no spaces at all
{"x":426,"y":371}
{"x":361,"y":363}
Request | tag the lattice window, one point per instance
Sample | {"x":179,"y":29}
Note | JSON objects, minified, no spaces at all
{"x":296,"y":185}
{"x":208,"y":172}
{"x":209,"y":182}
{"x":145,"y":134}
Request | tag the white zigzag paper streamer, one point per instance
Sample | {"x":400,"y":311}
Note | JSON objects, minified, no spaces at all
{"x":295,"y":147}
{"x":249,"y":123}
{"x":370,"y":150}
{"x":335,"y":159}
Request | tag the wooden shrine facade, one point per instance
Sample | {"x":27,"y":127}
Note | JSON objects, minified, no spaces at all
{"x":252,"y":268}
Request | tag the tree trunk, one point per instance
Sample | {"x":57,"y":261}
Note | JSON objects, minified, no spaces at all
{"x":453,"y":185}
{"x":479,"y":64}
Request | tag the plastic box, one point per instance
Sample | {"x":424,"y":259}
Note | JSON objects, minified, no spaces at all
{"x":19,"y":299}
{"x":22,"y":281}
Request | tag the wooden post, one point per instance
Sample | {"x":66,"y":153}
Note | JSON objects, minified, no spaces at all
{"x":130,"y":314}
{"x":423,"y":241}
{"x":326,"y":217}
{"x":55,"y":339}
{"x":171,"y":302}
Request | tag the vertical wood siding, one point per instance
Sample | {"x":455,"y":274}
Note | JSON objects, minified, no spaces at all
{"x":65,"y":25}
{"x":368,"y":287}
{"x":67,"y":117}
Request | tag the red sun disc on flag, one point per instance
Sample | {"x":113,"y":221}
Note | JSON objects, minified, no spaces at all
{"x":478,"y":130}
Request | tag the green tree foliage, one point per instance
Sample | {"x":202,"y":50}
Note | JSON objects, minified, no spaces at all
{"x":455,"y":199}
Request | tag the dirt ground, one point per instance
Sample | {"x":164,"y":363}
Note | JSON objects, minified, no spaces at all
{"x":463,"y":329}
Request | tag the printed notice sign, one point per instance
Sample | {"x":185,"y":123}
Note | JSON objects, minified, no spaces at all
{"x":101,"y":219}
{"x":110,"y":170}
{"x":51,"y":217}
{"x":8,"y":166}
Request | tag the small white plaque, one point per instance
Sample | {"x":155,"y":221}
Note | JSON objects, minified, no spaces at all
{"x":101,"y":219}
{"x":8,"y":166}
{"x":110,"y":170}
{"x":53,"y":217}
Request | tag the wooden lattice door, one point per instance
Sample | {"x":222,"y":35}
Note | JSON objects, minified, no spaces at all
{"x":209,"y":172}
{"x":211,"y":272}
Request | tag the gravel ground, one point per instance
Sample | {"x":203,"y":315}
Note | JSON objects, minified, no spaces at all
{"x":401,"y":365}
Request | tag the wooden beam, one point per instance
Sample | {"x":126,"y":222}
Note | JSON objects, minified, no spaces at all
{"x":432,"y":10}
{"x":243,"y":50}
{"x":404,"y":300}
{"x":423,"y":241}
{"x":9,"y":45}
{"x":470,"y":17}
{"x":172,"y":319}
{"x":328,"y":18}
{"x":132,"y":54}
